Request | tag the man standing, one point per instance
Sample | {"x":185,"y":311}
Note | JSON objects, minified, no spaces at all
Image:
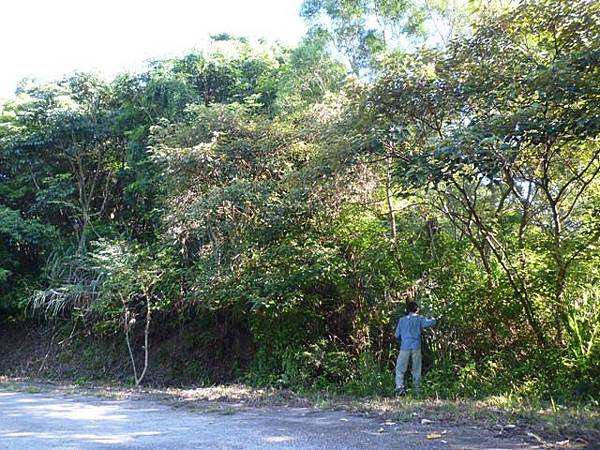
{"x":408,"y":331}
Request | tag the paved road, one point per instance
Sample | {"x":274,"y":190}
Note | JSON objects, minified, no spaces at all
{"x":50,"y":421}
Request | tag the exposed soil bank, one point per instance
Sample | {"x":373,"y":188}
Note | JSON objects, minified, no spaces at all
{"x":177,"y":357}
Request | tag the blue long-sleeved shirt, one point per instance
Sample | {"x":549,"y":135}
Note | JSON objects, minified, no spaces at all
{"x":409,"y":329}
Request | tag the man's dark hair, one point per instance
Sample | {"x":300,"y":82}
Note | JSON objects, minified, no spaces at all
{"x":412,"y":307}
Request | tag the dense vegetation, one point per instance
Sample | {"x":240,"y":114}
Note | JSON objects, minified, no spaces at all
{"x":281,"y":208}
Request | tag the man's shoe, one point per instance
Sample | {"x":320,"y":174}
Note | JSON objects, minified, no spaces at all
{"x":400,"y":392}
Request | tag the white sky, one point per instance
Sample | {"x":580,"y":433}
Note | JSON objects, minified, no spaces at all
{"x":47,"y":39}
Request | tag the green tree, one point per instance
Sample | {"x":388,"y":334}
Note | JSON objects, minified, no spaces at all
{"x":510,"y":153}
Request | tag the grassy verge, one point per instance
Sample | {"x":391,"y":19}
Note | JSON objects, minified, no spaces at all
{"x":575,"y":426}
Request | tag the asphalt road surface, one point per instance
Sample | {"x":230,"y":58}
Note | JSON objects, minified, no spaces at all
{"x":55,"y":421}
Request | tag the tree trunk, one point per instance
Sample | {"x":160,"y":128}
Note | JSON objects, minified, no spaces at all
{"x":388,"y":196}
{"x":138,"y":379}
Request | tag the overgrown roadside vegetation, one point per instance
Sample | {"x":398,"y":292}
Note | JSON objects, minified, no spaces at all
{"x":260,"y":214}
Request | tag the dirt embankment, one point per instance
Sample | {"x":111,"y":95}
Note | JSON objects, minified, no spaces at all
{"x":178,"y":357}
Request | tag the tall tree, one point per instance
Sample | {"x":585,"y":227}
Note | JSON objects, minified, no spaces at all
{"x":504,"y":127}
